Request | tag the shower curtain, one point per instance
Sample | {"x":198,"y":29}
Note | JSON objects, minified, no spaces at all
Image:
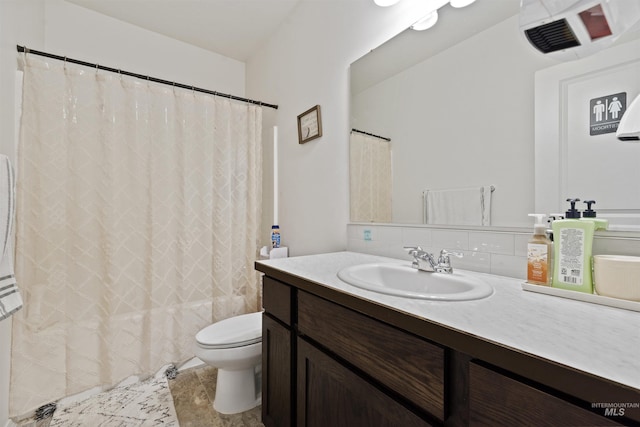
{"x":138,"y":208}
{"x":370,"y":178}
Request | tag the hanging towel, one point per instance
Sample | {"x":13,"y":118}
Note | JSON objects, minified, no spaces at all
{"x":10,"y":299}
{"x":458,"y":206}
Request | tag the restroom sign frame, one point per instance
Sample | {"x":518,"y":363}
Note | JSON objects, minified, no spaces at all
{"x":605,"y":113}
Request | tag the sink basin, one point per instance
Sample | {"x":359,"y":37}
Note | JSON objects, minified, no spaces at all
{"x":405,"y":281}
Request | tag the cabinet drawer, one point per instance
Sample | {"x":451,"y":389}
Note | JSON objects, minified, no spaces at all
{"x":276,"y":299}
{"x":496,"y":399}
{"x":408,"y":365}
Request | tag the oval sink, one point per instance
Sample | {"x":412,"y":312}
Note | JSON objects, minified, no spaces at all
{"x":405,"y":281}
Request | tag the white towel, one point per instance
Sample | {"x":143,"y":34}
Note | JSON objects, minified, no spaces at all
{"x":10,"y":299}
{"x":458,"y":206}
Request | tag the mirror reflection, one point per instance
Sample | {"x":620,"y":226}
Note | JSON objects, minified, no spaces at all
{"x":454,"y":106}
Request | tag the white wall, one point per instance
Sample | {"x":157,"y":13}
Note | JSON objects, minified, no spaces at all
{"x":20,"y":21}
{"x":65,"y":29}
{"x":80,"y":33}
{"x":304,"y":64}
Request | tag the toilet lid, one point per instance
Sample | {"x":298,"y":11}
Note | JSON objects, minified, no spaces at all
{"x":235,"y":331}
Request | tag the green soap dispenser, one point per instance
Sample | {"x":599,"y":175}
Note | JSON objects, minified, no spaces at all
{"x":573,"y":241}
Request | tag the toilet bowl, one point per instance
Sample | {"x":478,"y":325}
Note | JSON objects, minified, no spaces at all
{"x":234,"y":346}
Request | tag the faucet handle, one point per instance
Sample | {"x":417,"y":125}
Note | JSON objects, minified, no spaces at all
{"x":444,"y":265}
{"x":444,"y":256}
{"x":445,"y":252}
{"x":413,"y":250}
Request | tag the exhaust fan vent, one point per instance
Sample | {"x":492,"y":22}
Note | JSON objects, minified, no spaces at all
{"x":556,"y":35}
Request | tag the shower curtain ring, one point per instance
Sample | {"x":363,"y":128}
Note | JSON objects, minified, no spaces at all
{"x":97,"y":67}
{"x":65,"y":63}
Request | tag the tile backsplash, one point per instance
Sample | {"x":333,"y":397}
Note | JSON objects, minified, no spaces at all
{"x":496,"y":251}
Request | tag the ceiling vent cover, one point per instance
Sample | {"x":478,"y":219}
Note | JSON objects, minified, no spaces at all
{"x":554,"y":36}
{"x":572,"y":29}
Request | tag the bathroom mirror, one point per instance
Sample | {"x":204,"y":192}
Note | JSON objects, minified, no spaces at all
{"x":457,"y":102}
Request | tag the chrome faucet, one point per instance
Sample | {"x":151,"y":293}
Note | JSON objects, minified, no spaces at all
{"x":443,"y":261}
{"x":425,"y":261}
{"x":422,"y":260}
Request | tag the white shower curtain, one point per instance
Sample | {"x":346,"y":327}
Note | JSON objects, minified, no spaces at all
{"x":370,"y":178}
{"x":138,"y":208}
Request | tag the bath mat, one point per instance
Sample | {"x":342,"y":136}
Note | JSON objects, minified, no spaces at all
{"x":147,"y":404}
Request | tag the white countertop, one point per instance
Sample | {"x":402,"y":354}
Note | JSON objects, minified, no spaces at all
{"x":603,"y":341}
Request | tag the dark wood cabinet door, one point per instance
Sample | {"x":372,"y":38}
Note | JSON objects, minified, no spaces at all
{"x":329,"y":394}
{"x":277,"y":397}
{"x":497,"y":400}
{"x":409,"y":366}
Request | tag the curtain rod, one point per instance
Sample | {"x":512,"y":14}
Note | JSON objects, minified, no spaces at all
{"x":26,"y":50}
{"x":370,"y":134}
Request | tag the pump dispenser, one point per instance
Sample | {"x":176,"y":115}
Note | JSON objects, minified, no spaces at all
{"x":573,"y":212}
{"x":573,"y":244}
{"x":539,"y":250}
{"x":590,"y":215}
{"x":553,"y":217}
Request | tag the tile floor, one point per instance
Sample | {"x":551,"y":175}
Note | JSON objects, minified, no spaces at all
{"x":193,"y":391}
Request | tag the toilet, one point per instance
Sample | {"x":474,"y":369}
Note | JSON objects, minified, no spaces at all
{"x":234,"y":346}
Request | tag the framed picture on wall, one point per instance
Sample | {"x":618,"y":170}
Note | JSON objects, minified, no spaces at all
{"x":309,"y":125}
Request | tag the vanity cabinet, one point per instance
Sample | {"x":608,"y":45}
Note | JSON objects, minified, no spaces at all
{"x":496,"y":399}
{"x":404,"y":364}
{"x":277,"y":354}
{"x":333,"y":359}
{"x":332,"y":394}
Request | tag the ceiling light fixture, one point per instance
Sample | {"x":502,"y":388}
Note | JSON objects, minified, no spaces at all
{"x":385,"y":3}
{"x":461,"y":3}
{"x":430,"y":19}
{"x":426,"y":22}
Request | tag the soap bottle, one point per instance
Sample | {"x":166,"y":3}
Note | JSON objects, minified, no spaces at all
{"x":590,"y":215}
{"x":573,"y":246}
{"x":539,"y":250}
{"x":553,"y":217}
{"x":275,"y":236}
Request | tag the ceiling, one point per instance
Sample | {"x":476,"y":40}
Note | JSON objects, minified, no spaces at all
{"x":238,"y":28}
{"x":233,"y":28}
{"x":412,"y":47}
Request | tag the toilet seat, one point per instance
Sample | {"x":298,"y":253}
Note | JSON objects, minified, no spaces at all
{"x":238,"y":331}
